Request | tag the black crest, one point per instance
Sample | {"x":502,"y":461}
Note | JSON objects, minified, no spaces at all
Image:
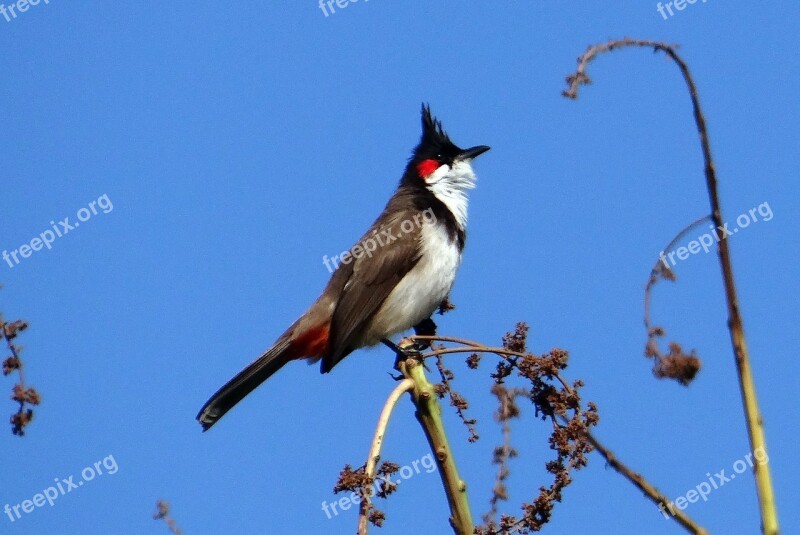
{"x":434,"y":143}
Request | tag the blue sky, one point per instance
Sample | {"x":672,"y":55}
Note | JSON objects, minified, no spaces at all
{"x":240,"y":142}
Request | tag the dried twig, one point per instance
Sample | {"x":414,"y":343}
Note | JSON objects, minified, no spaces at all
{"x":25,"y":396}
{"x":375,"y":452}
{"x":445,"y":388}
{"x":568,"y":441}
{"x":645,"y":486}
{"x":506,"y":411}
{"x":675,"y":365}
{"x":755,"y":428}
{"x":162,"y":513}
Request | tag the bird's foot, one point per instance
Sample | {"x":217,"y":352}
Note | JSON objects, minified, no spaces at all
{"x":426,"y":327}
{"x":396,"y":376}
{"x":405,"y":350}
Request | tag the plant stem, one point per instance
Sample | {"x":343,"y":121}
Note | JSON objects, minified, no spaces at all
{"x":649,"y":490}
{"x":755,"y":426}
{"x":375,"y":449}
{"x":429,"y":415}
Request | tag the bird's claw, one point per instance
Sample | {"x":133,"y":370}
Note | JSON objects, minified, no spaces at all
{"x":396,"y":377}
{"x":406,"y":349}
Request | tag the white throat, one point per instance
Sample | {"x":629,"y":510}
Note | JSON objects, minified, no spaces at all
{"x":450,"y":185}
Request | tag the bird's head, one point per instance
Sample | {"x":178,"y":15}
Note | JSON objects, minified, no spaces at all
{"x":442,"y":167}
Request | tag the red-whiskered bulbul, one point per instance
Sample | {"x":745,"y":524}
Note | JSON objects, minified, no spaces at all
{"x":397,"y":275}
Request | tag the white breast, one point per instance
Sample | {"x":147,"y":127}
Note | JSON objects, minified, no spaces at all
{"x":422,"y":290}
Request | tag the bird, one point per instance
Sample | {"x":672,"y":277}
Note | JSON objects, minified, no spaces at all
{"x":394,"y":278}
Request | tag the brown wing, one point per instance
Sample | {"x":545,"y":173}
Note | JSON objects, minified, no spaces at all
{"x":372,"y":280}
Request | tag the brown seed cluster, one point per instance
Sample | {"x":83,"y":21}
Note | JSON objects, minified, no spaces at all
{"x":445,"y":388}
{"x":357,"y":481}
{"x":676,"y":364}
{"x":24,"y":396}
{"x":518,"y":375}
{"x":162,"y":513}
{"x":554,"y":400}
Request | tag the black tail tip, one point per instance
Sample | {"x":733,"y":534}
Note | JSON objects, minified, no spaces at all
{"x":206,"y":419}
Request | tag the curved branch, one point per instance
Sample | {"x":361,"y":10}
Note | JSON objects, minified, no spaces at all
{"x":474,"y":347}
{"x":755,"y":428}
{"x":657,"y":269}
{"x":406,"y":385}
{"x":675,"y":365}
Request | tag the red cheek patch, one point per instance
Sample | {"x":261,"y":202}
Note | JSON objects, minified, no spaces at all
{"x":427,"y":167}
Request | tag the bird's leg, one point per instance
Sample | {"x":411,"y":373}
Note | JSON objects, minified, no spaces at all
{"x":424,"y":328}
{"x":407,"y":349}
{"x":404,"y":350}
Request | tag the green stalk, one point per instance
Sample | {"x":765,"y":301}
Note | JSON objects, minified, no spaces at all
{"x":755,"y":425}
{"x":429,"y":415}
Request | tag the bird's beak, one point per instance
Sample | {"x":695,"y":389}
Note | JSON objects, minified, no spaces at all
{"x":474,"y":152}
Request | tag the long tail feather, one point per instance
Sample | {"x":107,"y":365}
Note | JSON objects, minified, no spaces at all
{"x":245,"y":382}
